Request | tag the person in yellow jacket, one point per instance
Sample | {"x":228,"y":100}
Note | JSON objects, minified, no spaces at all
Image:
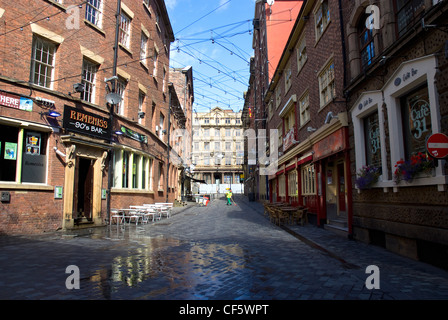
{"x":229,"y":197}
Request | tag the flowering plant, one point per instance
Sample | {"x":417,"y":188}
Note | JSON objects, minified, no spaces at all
{"x":407,"y":169}
{"x":367,"y":176}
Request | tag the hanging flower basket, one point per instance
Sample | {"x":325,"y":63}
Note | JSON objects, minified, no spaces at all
{"x":418,"y":164}
{"x":367,"y":177}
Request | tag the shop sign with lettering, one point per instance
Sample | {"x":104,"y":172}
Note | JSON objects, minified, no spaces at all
{"x":134,"y":135}
{"x":16,"y":102}
{"x":329,"y":145}
{"x":84,"y":122}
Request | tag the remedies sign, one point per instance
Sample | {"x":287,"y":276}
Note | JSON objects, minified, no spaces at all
{"x":84,"y":122}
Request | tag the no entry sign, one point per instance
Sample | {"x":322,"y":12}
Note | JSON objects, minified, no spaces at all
{"x":437,"y":145}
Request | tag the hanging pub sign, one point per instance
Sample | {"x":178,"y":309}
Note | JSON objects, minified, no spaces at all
{"x":84,"y":122}
{"x":134,"y":135}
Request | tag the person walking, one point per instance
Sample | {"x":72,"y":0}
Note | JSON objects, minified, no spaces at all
{"x":229,"y":197}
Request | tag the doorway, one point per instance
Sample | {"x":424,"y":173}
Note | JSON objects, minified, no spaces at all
{"x":336,"y":193}
{"x":83,"y":189}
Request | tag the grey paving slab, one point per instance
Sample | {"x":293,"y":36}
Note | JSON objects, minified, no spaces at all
{"x":216,"y":252}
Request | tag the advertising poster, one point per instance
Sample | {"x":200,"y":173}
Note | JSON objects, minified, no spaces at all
{"x":10,"y":151}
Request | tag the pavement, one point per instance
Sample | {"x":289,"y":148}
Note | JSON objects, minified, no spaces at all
{"x":216,"y":252}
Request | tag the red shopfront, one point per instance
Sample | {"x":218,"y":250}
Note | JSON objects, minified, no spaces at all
{"x":333,"y":180}
{"x":320,"y":180}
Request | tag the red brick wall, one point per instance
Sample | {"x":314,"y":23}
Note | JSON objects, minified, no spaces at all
{"x":34,"y":211}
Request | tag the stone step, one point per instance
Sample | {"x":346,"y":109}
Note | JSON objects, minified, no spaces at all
{"x":339,"y":228}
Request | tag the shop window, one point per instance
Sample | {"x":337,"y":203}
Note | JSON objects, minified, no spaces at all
{"x":292,"y":184}
{"x":135,"y":171}
{"x":372,"y":140}
{"x":281,"y":186}
{"x":160,"y":178}
{"x":308,"y":180}
{"x":416,"y":120}
{"x":125,"y":170}
{"x":23,"y":155}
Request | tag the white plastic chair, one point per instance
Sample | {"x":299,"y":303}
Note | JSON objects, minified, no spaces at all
{"x":133,"y":215}
{"x":117,"y":216}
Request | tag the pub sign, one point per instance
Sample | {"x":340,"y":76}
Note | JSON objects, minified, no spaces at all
{"x":84,"y":122}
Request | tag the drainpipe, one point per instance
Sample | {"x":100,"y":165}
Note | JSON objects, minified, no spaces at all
{"x":111,"y":111}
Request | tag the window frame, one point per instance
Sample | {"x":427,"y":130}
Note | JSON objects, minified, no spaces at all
{"x":36,"y":63}
{"x":89,"y":84}
{"x":125,"y":30}
{"x":95,"y":18}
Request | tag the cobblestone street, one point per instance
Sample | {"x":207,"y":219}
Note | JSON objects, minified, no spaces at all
{"x":216,"y":252}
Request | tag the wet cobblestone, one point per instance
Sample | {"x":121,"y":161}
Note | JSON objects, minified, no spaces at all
{"x":216,"y":252}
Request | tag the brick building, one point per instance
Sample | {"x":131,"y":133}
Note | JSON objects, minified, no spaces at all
{"x":306,"y":104}
{"x":108,"y":147}
{"x":397,"y":88}
{"x":272,"y":26}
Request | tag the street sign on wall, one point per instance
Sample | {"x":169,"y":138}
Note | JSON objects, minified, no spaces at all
{"x":437,"y":145}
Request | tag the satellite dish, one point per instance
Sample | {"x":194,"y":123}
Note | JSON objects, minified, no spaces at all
{"x":113,"y":98}
{"x":270,"y":2}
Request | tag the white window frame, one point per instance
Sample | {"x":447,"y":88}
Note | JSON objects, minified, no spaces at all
{"x":327,"y":84}
{"x":308,"y":180}
{"x":412,"y":74}
{"x":95,"y":16}
{"x":121,"y":90}
{"x":144,"y":49}
{"x":89,"y":71}
{"x":141,"y":102}
{"x":304,"y":108}
{"x":321,"y":21}
{"x":41,"y":68}
{"x":302,"y":56}
{"x":125,"y":30}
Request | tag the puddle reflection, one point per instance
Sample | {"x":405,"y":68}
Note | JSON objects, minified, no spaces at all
{"x":165,"y":267}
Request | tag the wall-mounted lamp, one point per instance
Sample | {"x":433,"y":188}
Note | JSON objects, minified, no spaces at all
{"x":311,"y":129}
{"x":330,"y":116}
{"x":60,"y":153}
{"x":78,"y":87}
{"x":141,"y":115}
{"x":50,"y":113}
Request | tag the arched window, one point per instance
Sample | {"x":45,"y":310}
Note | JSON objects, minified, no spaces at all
{"x":366,"y":43}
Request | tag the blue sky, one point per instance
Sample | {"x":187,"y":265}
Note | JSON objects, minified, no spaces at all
{"x":215,"y":38}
